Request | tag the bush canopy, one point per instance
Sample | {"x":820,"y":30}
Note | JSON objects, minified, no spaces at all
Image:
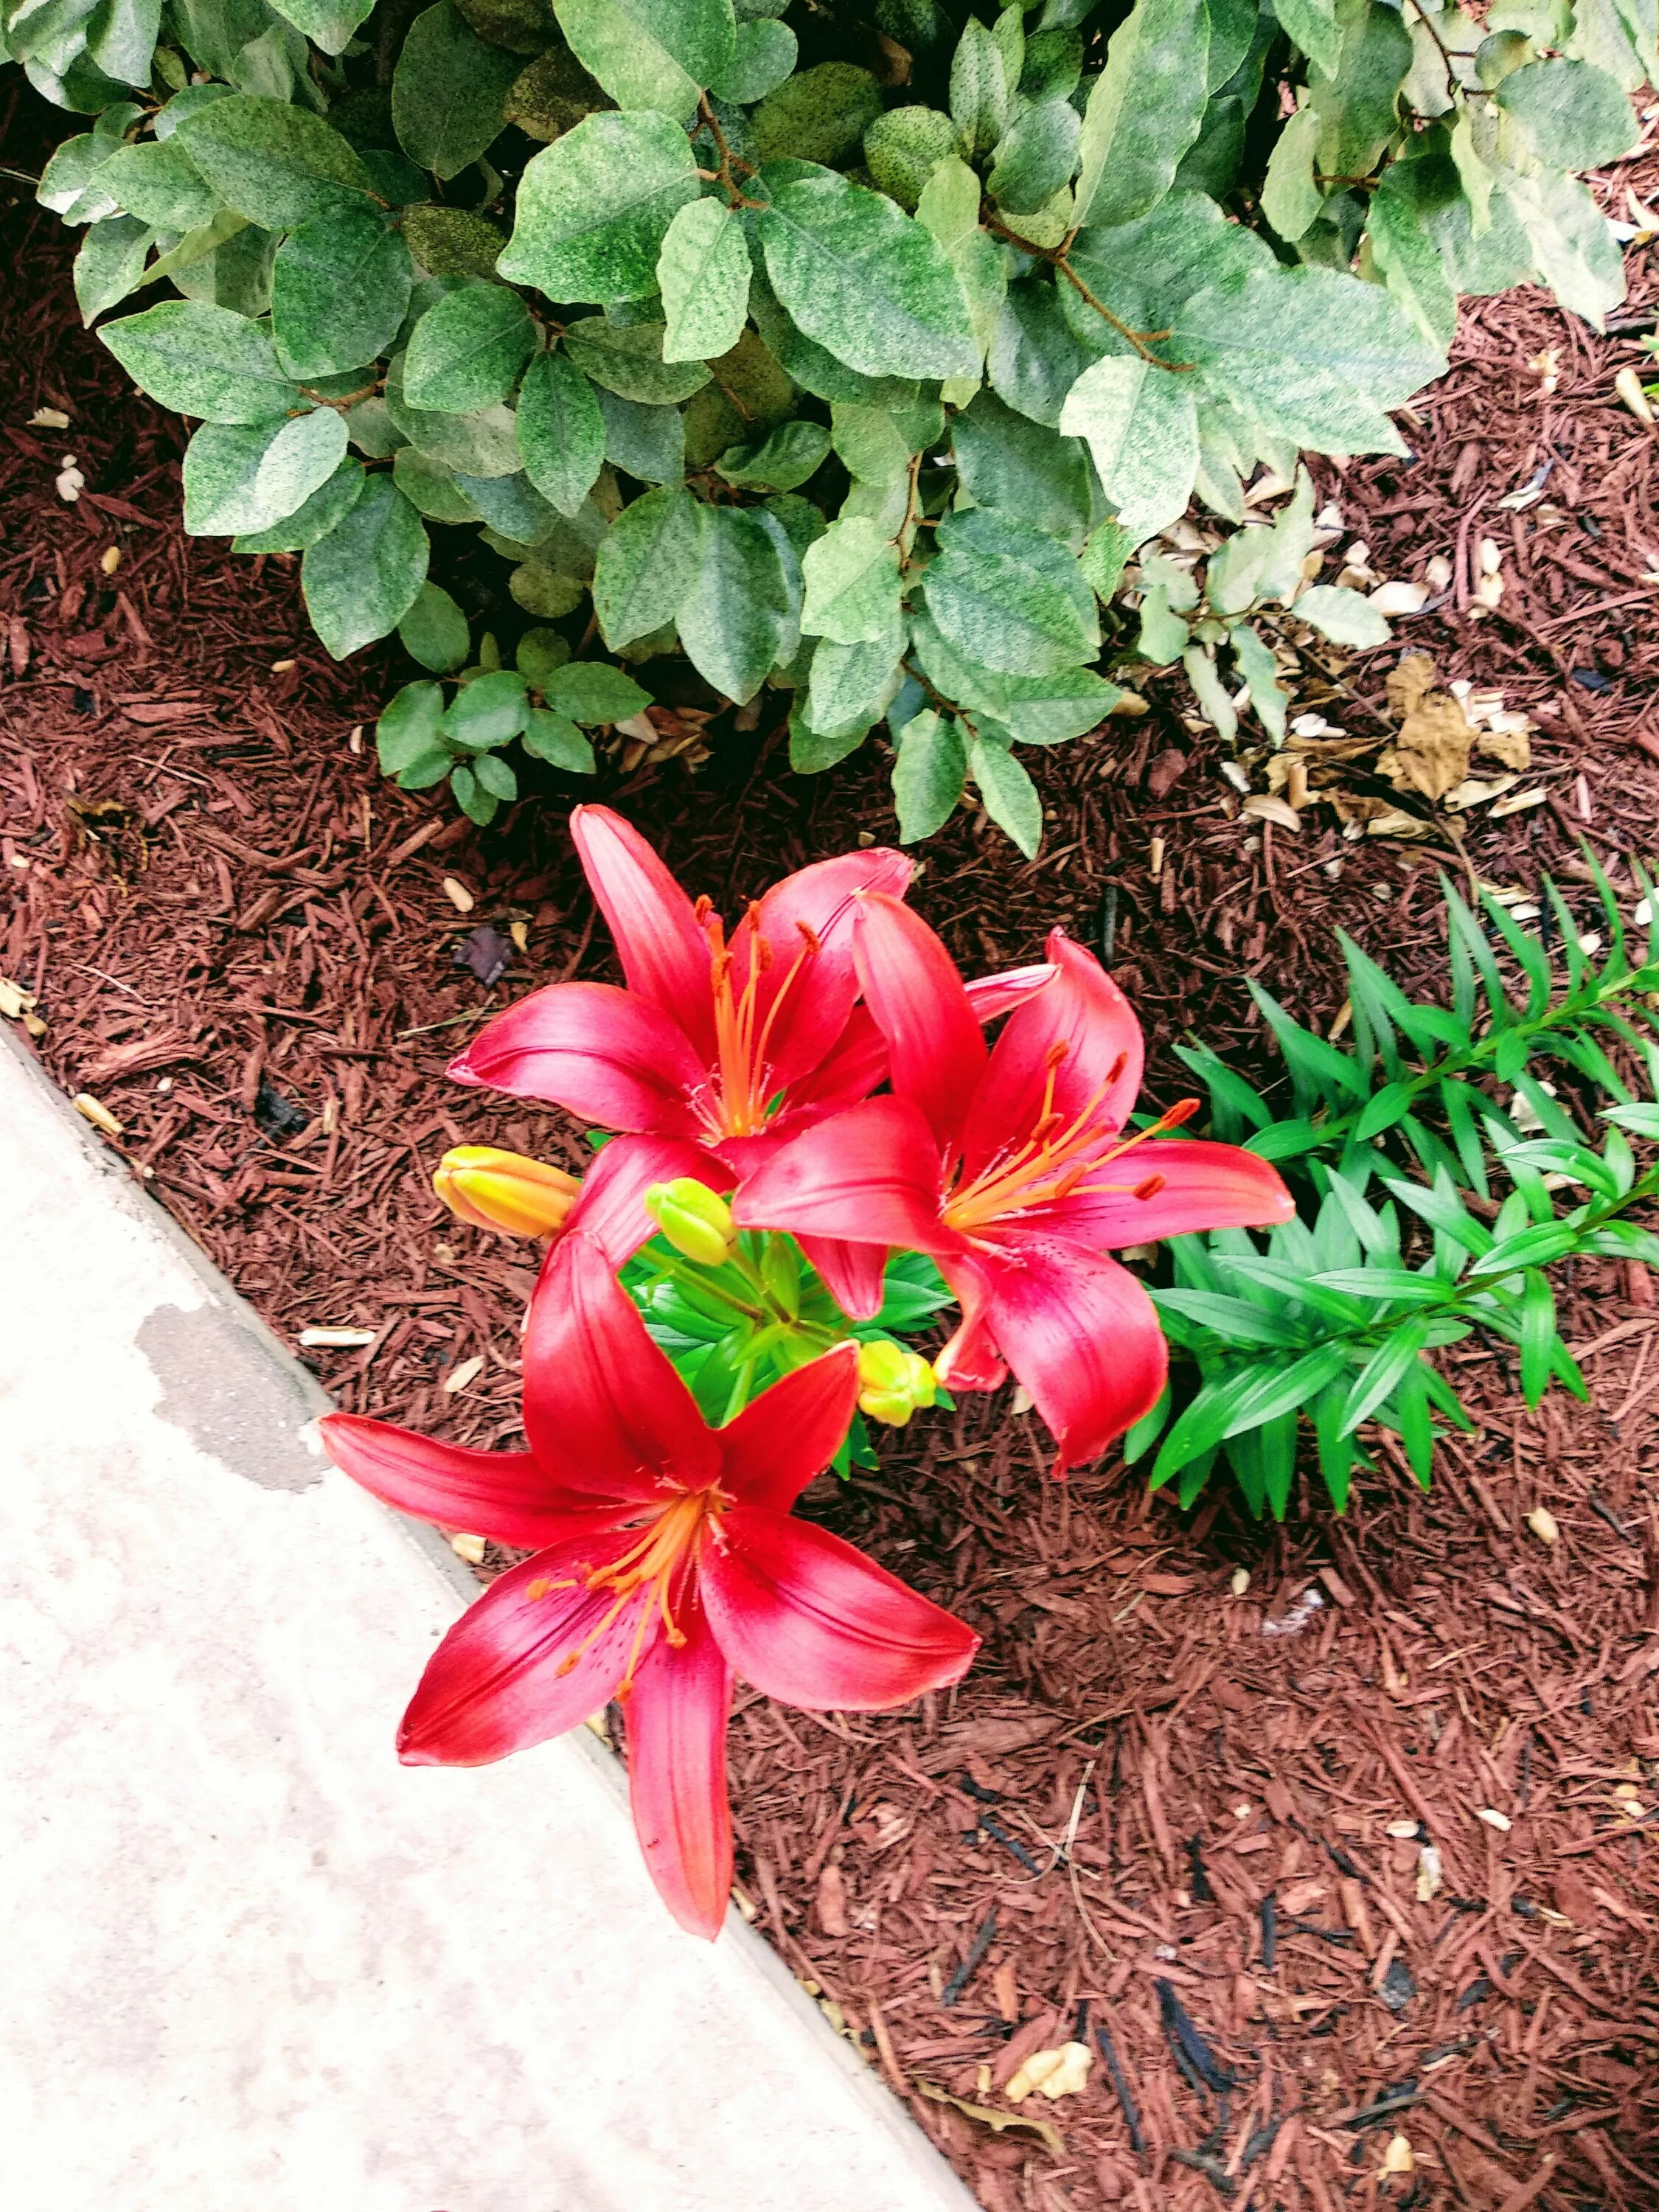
{"x":853,"y":355}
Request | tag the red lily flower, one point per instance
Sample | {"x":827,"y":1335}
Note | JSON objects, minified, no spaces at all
{"x":1011,"y":1167}
{"x":713,"y":1049}
{"x":666,"y":1559}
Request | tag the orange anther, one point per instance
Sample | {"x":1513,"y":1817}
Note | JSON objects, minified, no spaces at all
{"x":1151,"y":1187}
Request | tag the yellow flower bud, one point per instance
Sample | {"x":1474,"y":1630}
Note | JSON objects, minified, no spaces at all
{"x":494,"y":1190}
{"x":893,"y":1383}
{"x":696,"y":1221}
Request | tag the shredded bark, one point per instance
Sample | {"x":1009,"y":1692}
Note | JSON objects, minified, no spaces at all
{"x":1146,"y":1819}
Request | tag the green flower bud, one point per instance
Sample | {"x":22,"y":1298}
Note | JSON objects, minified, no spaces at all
{"x":696,"y":1221}
{"x":893,"y":1383}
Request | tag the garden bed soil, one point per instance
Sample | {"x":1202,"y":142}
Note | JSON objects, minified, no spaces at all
{"x":1165,"y":1813}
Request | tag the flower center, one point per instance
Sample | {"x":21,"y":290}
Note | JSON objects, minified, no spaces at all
{"x":1060,"y":1158}
{"x":743,"y":1034}
{"x":662,"y":1560}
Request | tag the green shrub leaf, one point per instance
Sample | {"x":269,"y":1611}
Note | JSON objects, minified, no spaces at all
{"x":158,"y":182}
{"x":703,"y":272}
{"x":736,"y":615}
{"x":592,"y":692}
{"x":852,"y":578}
{"x":448,"y":92}
{"x":277,"y":164}
{"x":1006,"y":594}
{"x":595,"y":208}
{"x":1141,"y":423}
{"x":647,"y":564}
{"x":928,"y":775}
{"x":1145,"y":110}
{"x":556,"y":740}
{"x":560,"y":431}
{"x":246,"y":476}
{"x":819,"y":115}
{"x":467,"y":350}
{"x":627,"y":358}
{"x":488,"y":711}
{"x":204,"y":361}
{"x":361,"y":579}
{"x":435,"y":631}
{"x":1577,"y":116}
{"x":862,"y":279}
{"x":651,"y":54}
{"x":339,"y":291}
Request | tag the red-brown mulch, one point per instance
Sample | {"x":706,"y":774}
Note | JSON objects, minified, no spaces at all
{"x":1157,"y":1817}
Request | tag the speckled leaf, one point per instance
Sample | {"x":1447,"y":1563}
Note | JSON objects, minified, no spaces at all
{"x":361,"y":580}
{"x":852,"y":581}
{"x":703,"y":272}
{"x":862,"y":279}
{"x":1008,"y":594}
{"x":275,"y":164}
{"x":647,"y":564}
{"x":651,"y":54}
{"x":467,"y":350}
{"x":202,"y":359}
{"x":246,"y":476}
{"x":449,"y":92}
{"x":1140,"y":422}
{"x":594,"y":207}
{"x":1145,"y":108}
{"x":736,"y":618}
{"x":339,"y":291}
{"x":560,"y":431}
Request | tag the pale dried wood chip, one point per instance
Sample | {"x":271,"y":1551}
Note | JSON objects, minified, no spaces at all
{"x":470,"y":1548}
{"x":1061,"y":2072}
{"x":458,"y":895}
{"x":94,"y":1110}
{"x":335,"y":1340}
{"x":1544,"y":1524}
{"x":1262,"y":807}
{"x":468,"y":1369}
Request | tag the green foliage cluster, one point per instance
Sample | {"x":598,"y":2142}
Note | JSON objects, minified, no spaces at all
{"x":1334,"y":1317}
{"x":732,"y":1331}
{"x":849,"y":350}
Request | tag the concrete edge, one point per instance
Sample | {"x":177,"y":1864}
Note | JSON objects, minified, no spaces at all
{"x":233,"y":1313}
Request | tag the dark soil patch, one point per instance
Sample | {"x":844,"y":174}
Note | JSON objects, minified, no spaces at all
{"x":1155,"y":1817}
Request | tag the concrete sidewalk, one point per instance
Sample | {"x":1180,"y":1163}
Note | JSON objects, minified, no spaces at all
{"x":253,"y":1965}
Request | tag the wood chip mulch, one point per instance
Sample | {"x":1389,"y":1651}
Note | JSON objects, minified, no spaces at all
{"x":1356,"y":1850}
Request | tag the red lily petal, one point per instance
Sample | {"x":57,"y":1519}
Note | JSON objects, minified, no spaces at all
{"x":808,"y":1620}
{"x":611,"y":1209}
{"x":991,"y":995}
{"x":870,"y":1176}
{"x":1204,"y":1186}
{"x":791,"y":1432}
{"x":855,"y":1065}
{"x":503,"y":1495}
{"x":603,"y":1053}
{"x":664,"y":950}
{"x":970,"y":1360}
{"x":604,"y":1410}
{"x":676,"y":1714}
{"x":1081,"y":1010}
{"x":911,"y":987}
{"x":854,"y":1274}
{"x":1081,"y":1334}
{"x":805,"y":991}
{"x":499,"y":1682}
